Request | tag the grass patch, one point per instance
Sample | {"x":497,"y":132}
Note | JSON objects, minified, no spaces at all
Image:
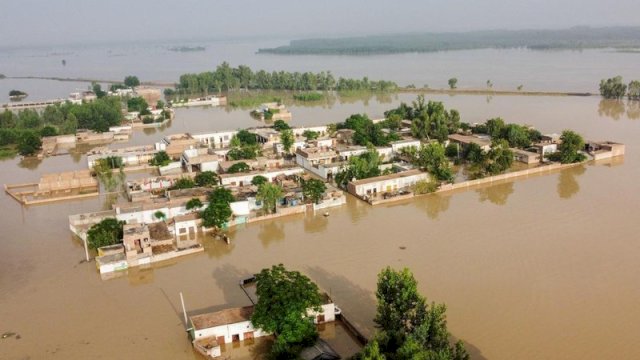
{"x":7,"y":152}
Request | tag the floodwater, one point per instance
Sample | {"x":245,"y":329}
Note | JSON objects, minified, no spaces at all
{"x":545,"y":267}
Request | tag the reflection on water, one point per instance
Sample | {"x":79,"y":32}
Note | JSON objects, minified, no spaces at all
{"x":496,"y":194}
{"x":567,"y":183}
{"x":633,"y":109}
{"x":617,"y":109}
{"x":30,"y":163}
{"x":433,"y":204}
{"x":271,"y":231}
{"x":315,"y":223}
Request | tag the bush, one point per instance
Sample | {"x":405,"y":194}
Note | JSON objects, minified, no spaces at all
{"x":106,"y":232}
{"x":147,"y":120}
{"x":161,"y":158}
{"x":238,"y":168}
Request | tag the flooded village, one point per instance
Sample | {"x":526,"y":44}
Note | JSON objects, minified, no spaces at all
{"x":309,"y":169}
{"x":237,"y":187}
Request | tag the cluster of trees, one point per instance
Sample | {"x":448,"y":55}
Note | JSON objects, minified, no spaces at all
{"x":429,"y":120}
{"x":25,"y":129}
{"x":284,"y":298}
{"x":367,"y":132}
{"x":244,"y":146}
{"x":518,"y":136}
{"x":497,"y":160}
{"x":138,"y":104}
{"x":615,"y":88}
{"x":202,"y":179}
{"x":360,"y":167}
{"x":287,"y":138}
{"x":226,"y":78}
{"x":431,"y":158}
{"x":409,"y":327}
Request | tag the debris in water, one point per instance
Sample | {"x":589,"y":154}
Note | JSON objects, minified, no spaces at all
{"x":18,"y":337}
{"x":8,"y":334}
{"x":326,"y":214}
{"x":403,"y":247}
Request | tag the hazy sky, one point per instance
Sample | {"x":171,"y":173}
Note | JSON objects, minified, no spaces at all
{"x":36,"y":22}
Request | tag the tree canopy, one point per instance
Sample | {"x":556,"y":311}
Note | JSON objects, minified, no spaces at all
{"x":360,"y":167}
{"x":226,"y":78}
{"x":287,"y":138}
{"x":161,"y":158}
{"x":206,"y":178}
{"x":218,"y":211}
{"x":106,"y":232}
{"x":410,"y":328}
{"x":131,"y":81}
{"x":568,"y":150}
{"x":284,"y":298}
{"x":269,"y":194}
{"x":613,"y":88}
{"x":429,"y":120}
{"x":238,"y":168}
{"x":313,"y":189}
{"x":366,"y":132}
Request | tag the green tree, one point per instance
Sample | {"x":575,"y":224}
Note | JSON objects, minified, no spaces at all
{"x":633,"y":91}
{"x":313,"y":189}
{"x":246,"y":138}
{"x":238,"y":168}
{"x":269,"y":194}
{"x":131,"y":81}
{"x":97,"y":89}
{"x":432,"y":158}
{"x":138,"y":104}
{"x":453,"y":83}
{"x":53,"y":115}
{"x":411,"y":328}
{"x":29,"y":119}
{"x":360,"y":167}
{"x":495,"y":127}
{"x":280,"y":125}
{"x":570,"y":145}
{"x":160,"y":215}
{"x":106,"y":232}
{"x":160,"y":104}
{"x":161,"y":158}
{"x":183,"y":183}
{"x":218,"y":211}
{"x":206,"y":179}
{"x":7,"y":119}
{"x":29,"y":143}
{"x":516,"y":135}
{"x":287,"y":138}
{"x":194,"y":204}
{"x":613,"y":88}
{"x":48,"y":130}
{"x":310,"y":134}
{"x":259,"y":180}
{"x":371,"y":351}
{"x":284,"y":300}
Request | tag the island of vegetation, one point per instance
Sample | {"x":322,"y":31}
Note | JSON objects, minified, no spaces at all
{"x":615,"y":88}
{"x":227,"y":78}
{"x":572,"y":38}
{"x":17,"y":95}
{"x":187,"y":48}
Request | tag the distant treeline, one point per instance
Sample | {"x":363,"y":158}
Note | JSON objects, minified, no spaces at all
{"x":573,"y":38}
{"x":226,"y":78}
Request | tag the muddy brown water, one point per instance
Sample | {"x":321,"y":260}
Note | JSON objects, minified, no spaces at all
{"x":545,"y":267}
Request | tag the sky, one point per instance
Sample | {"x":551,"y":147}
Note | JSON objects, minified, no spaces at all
{"x":57,"y":22}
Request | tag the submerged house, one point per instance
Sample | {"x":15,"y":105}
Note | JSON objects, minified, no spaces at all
{"x":211,"y":330}
{"x":366,"y":188}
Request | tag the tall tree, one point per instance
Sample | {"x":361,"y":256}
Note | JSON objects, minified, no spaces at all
{"x":570,"y":145}
{"x":613,"y":88}
{"x":269,"y":194}
{"x":287,"y":138}
{"x":284,"y":300}
{"x":432,"y":158}
{"x":218,"y":211}
{"x":131,"y":81}
{"x":313,"y":189}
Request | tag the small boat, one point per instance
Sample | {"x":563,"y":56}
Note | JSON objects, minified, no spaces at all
{"x":326,"y":214}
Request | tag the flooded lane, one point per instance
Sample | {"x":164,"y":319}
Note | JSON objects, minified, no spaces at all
{"x":544,"y":267}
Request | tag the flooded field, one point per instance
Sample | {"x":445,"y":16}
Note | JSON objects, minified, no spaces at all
{"x":545,"y":267}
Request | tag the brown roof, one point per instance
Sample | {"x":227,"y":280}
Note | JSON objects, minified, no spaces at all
{"x":223,"y":317}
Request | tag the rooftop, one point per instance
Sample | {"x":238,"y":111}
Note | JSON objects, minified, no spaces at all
{"x":388,"y":177}
{"x":223,"y":317}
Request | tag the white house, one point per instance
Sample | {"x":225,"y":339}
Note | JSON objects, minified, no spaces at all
{"x":386,"y":183}
{"x":216,"y":140}
{"x":400,"y":144}
{"x":241,"y":179}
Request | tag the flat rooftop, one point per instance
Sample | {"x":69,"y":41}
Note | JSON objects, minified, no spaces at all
{"x":222,"y":317}
{"x":388,"y":177}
